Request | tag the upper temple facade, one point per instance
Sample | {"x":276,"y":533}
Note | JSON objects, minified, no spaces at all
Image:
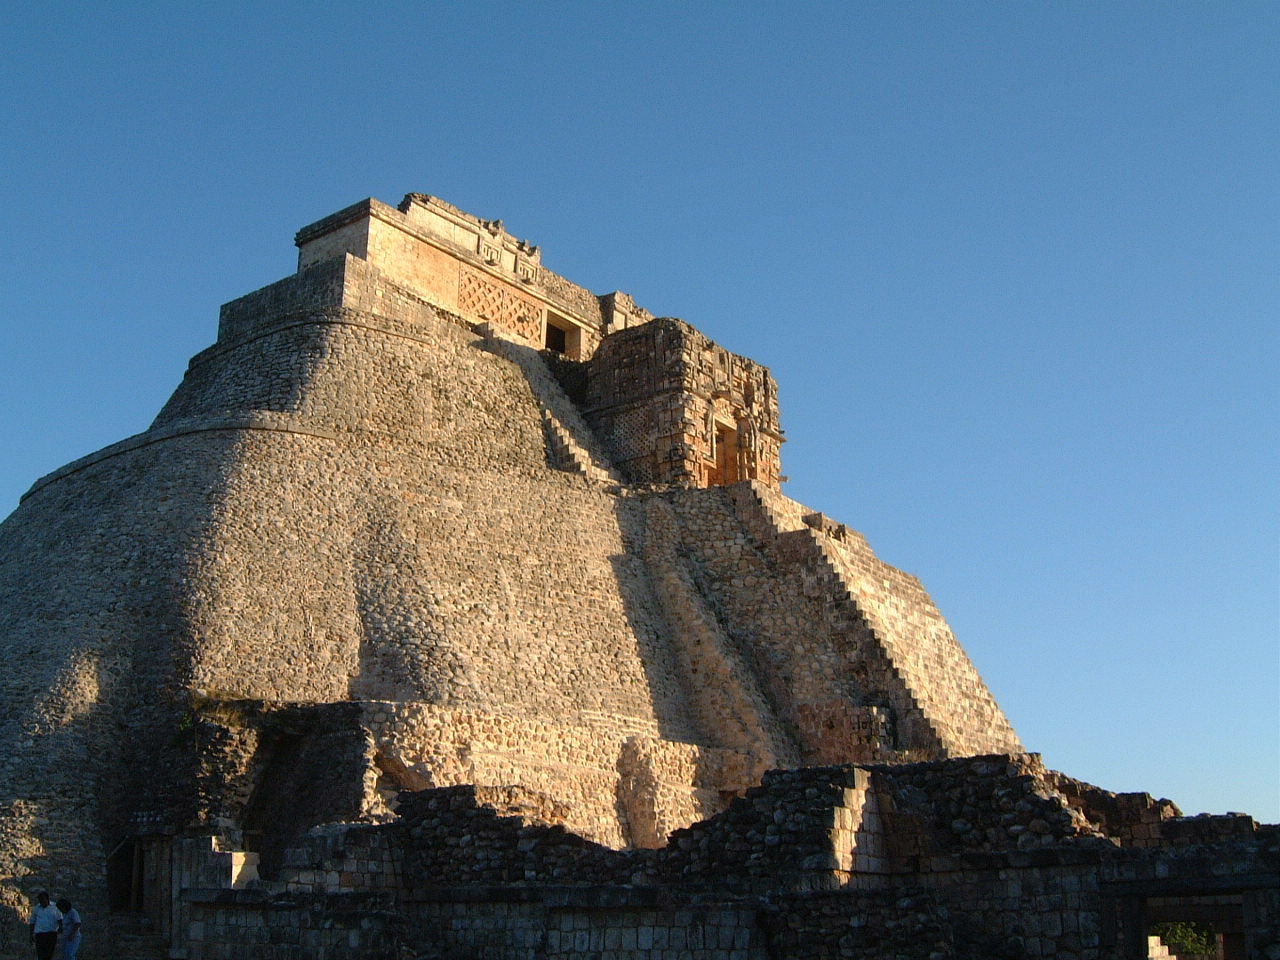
{"x":447,"y":609}
{"x":670,"y":405}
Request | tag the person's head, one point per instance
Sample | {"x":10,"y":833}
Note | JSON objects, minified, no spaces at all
{"x":64,"y":905}
{"x":43,"y":898}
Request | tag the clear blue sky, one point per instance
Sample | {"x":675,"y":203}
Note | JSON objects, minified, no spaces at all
{"x":1014,"y":266}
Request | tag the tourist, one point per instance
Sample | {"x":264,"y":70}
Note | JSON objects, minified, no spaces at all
{"x":46,"y":921}
{"x":70,"y":929}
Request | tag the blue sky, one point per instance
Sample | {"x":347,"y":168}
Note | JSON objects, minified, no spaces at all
{"x":1014,"y":266}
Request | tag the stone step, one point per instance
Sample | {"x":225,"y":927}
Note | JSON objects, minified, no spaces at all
{"x":570,"y":455}
{"x":572,"y":440}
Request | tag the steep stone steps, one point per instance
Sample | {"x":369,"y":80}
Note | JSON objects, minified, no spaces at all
{"x":574,"y":446}
{"x":730,"y":698}
{"x":569,"y":454}
{"x":930,"y":672}
{"x":789,"y":540}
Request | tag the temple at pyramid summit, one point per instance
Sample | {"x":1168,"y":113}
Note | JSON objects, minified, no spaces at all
{"x":451,"y":610}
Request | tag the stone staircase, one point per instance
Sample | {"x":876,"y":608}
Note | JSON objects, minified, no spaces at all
{"x":955,"y":706}
{"x":568,"y":454}
{"x":824,"y":576}
{"x":572,"y":444}
{"x":730,"y":699}
{"x":794,"y":541}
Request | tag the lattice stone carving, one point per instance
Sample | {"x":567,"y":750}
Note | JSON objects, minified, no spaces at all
{"x":478,"y":297}
{"x":633,"y":434}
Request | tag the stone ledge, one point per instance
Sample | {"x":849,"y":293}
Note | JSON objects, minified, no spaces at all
{"x":333,"y":316}
{"x":1191,"y":885}
{"x":169,"y":433}
{"x":369,"y":206}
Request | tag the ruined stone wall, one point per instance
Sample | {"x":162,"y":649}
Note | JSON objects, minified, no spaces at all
{"x":818,"y":828}
{"x":971,"y":859}
{"x":287,"y":767}
{"x":344,"y":926}
{"x":936,"y":811}
{"x":1134,"y":819}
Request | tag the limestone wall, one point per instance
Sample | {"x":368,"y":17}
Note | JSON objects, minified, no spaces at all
{"x":459,"y":262}
{"x":414,"y":532}
{"x":614,"y":779}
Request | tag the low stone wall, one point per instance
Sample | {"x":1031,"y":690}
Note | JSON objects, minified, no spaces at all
{"x":450,"y":837}
{"x":798,"y":829}
{"x":904,"y":924}
{"x":344,"y":857}
{"x":911,"y":862}
{"x":232,"y":925}
{"x":567,"y":923}
{"x":990,"y":803}
{"x":801,"y":829}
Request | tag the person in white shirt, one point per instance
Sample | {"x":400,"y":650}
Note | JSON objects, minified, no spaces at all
{"x":70,"y":929}
{"x":46,"y":922}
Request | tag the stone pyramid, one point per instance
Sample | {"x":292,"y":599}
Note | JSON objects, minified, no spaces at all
{"x":427,"y":514}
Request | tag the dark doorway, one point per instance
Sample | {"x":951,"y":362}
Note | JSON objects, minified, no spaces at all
{"x":563,"y":336}
{"x":138,"y":877}
{"x":124,"y":878}
{"x":725,"y":470}
{"x":555,"y":339}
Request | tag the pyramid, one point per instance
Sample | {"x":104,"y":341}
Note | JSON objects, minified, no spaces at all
{"x":428,"y":515}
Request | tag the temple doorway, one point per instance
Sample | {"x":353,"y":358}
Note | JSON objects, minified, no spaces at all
{"x":562,"y":336}
{"x":725,"y":456}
